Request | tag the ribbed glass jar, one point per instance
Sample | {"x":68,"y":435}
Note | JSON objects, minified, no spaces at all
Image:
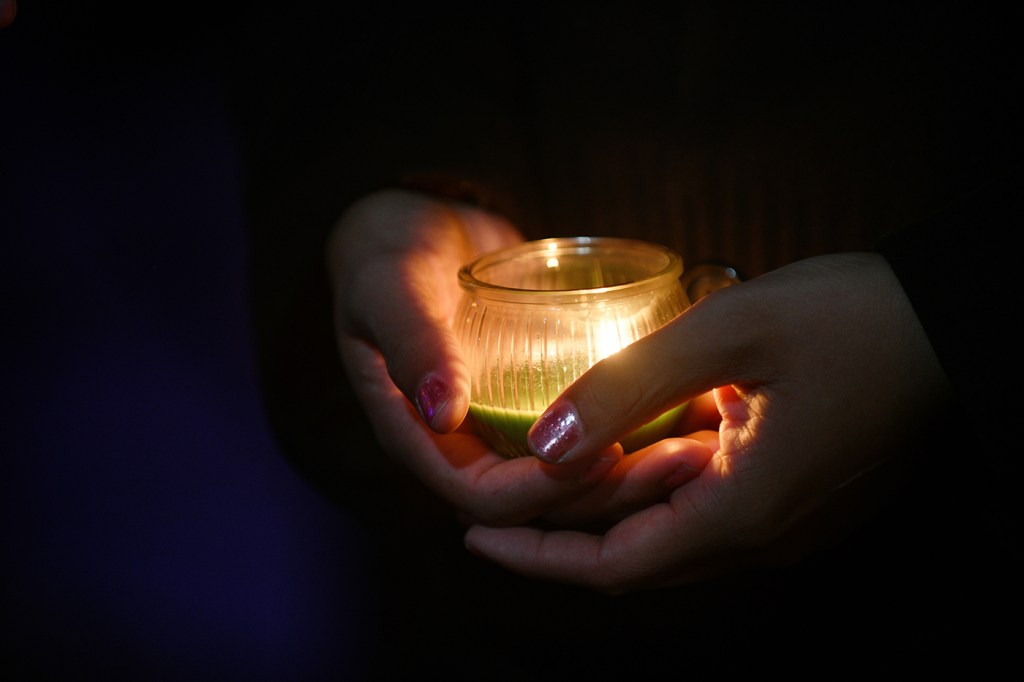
{"x":536,"y":316}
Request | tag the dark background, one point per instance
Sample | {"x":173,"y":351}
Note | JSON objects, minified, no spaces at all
{"x":151,"y":527}
{"x":189,"y":488}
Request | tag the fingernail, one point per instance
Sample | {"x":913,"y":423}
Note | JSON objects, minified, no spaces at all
{"x":683,"y":474}
{"x":431,"y":397}
{"x":555,"y":433}
{"x":597,"y":470}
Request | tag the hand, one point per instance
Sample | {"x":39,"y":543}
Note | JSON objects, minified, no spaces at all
{"x":821,"y":372}
{"x":393,"y":259}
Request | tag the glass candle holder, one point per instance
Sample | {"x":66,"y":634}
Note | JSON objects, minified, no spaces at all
{"x":536,"y":316}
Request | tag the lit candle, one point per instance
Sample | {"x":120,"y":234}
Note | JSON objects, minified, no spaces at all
{"x":538,"y":315}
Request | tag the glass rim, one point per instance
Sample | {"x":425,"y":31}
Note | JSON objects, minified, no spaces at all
{"x":555,"y":246}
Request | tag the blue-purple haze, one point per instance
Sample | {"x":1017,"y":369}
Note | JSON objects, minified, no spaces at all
{"x":150,"y":525}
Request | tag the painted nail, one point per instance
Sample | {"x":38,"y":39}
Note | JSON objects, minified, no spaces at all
{"x":431,"y":397}
{"x":555,"y":433}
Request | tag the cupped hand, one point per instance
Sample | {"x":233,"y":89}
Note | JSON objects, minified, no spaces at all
{"x":393,"y":259}
{"x":821,"y":373}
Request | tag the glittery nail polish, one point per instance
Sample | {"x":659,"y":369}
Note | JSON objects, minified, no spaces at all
{"x":555,"y":433}
{"x":431,"y":397}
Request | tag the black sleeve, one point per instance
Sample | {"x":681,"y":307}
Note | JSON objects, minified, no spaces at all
{"x":957,"y":262}
{"x":958,"y":268}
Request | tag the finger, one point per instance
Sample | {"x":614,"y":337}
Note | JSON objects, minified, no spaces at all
{"x":427,"y":350}
{"x":402,"y":302}
{"x":659,"y":544}
{"x":586,"y":470}
{"x":506,"y":492}
{"x":394,"y":272}
{"x":460,"y":466}
{"x":701,"y":414}
{"x":700,"y":349}
{"x":699,"y":532}
{"x":644,"y":478}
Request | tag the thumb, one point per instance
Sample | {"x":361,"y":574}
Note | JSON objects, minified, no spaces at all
{"x":698,"y":351}
{"x":394,"y":261}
